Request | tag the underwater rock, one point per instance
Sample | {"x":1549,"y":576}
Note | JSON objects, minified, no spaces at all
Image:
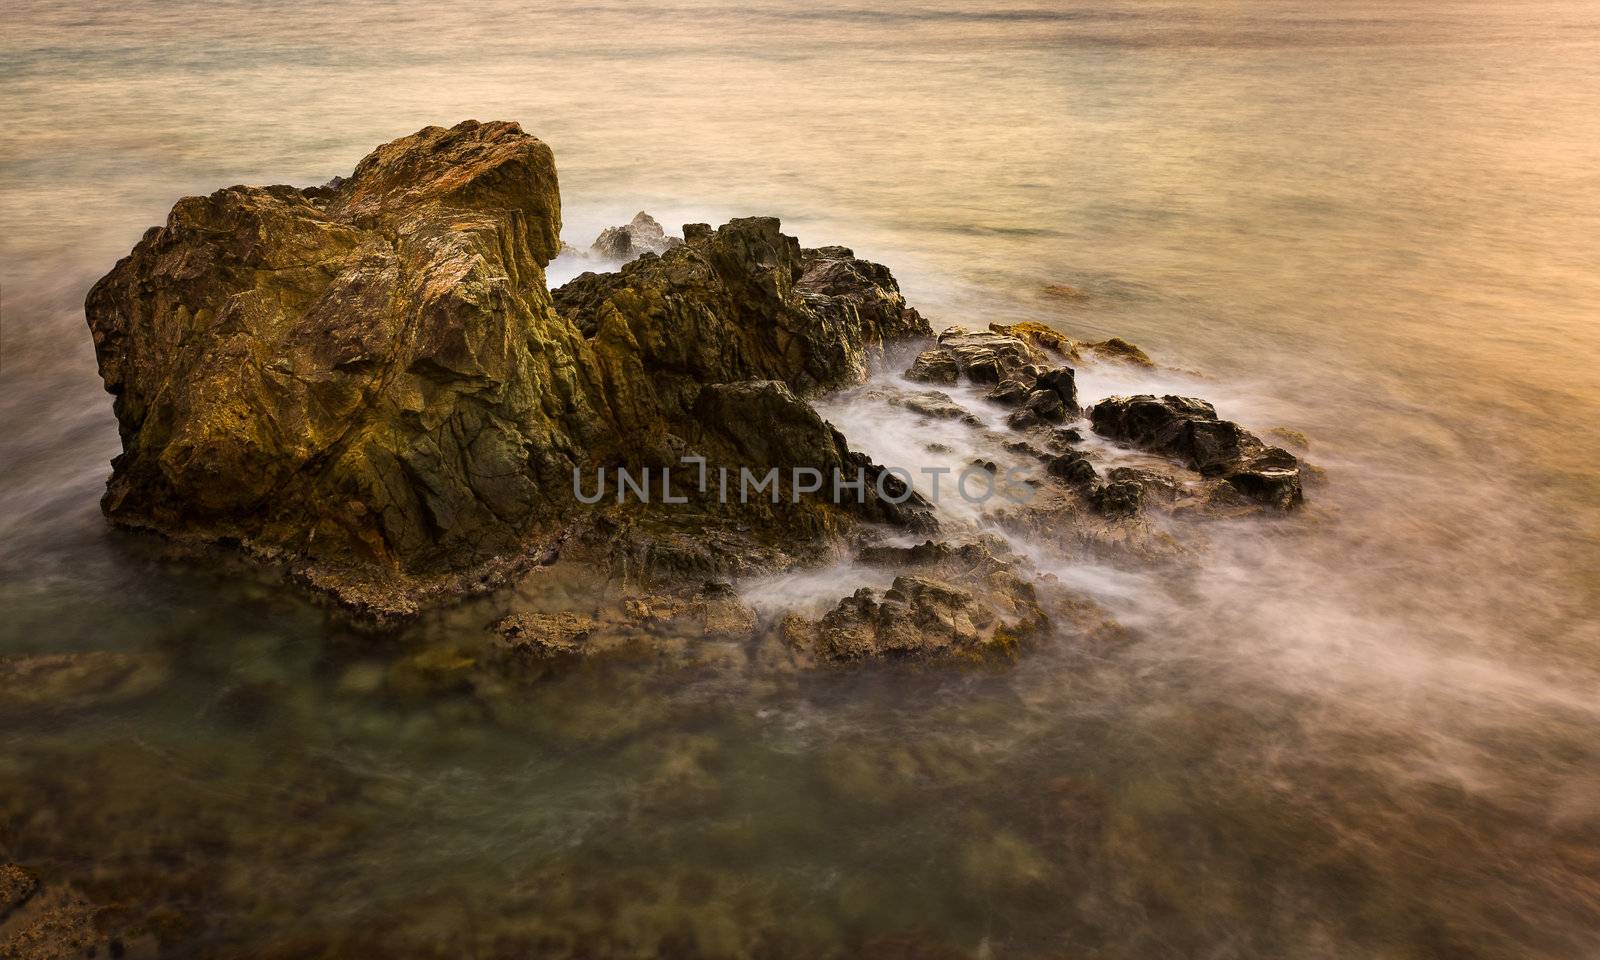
{"x":1189,"y":430}
{"x":1049,"y":340}
{"x":16,"y":886}
{"x":369,"y":381}
{"x":75,"y":681}
{"x":641,"y":235}
{"x":55,"y":924}
{"x":534,"y":643}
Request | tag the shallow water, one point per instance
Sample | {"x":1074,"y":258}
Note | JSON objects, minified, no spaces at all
{"x":1372,"y":730}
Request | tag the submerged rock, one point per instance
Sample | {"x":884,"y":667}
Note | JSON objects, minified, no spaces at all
{"x":16,"y":886}
{"x":70,"y":681}
{"x":370,"y":381}
{"x":1049,"y":340}
{"x":1189,"y":430}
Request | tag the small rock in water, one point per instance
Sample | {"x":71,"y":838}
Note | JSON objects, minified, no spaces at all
{"x":1189,"y":429}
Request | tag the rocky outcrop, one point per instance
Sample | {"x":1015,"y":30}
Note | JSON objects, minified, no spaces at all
{"x":1015,"y":366}
{"x":1189,"y":430}
{"x":370,"y":380}
{"x":641,"y":235}
{"x":921,"y":617}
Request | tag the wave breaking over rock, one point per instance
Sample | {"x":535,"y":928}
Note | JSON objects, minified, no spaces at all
{"x":370,"y":383}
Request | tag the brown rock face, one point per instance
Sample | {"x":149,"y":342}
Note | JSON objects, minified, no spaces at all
{"x":371,"y":377}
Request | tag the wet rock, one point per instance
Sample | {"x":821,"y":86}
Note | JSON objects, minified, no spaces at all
{"x":369,"y":382}
{"x":1118,"y":349}
{"x":1153,"y":484}
{"x":1010,"y":393}
{"x":1043,"y":406}
{"x":1121,"y":498}
{"x":920,"y":617}
{"x":640,"y":236}
{"x":1188,"y":429}
{"x":1074,"y":468}
{"x":1011,"y":364}
{"x":1065,"y":438}
{"x":955,"y":561}
{"x":934,"y":366}
{"x":1024,"y":449}
{"x":987,"y":357}
{"x":1062,"y":382}
{"x":933,"y":404}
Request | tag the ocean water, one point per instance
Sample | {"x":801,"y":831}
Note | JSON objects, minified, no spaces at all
{"x":1372,"y":730}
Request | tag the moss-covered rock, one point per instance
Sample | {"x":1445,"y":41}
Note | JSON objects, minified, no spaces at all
{"x":370,"y":380}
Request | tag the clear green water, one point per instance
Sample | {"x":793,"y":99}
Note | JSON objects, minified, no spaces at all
{"x":1372,"y":732}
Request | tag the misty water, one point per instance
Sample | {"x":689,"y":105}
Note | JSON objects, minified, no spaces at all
{"x":1370,"y":729}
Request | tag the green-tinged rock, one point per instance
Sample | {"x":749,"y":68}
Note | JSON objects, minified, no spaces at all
{"x":370,"y":381}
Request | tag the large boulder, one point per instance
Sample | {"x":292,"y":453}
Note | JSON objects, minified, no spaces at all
{"x":1189,"y":430}
{"x":371,"y":379}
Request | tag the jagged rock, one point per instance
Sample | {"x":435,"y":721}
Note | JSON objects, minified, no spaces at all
{"x":976,"y":558}
{"x":1122,"y":498}
{"x":1188,"y":429}
{"x":987,"y":357}
{"x":1012,"y":364}
{"x":1010,"y":393}
{"x":919,"y":617}
{"x":1073,"y":467}
{"x":1065,"y":438}
{"x":370,"y":381}
{"x":934,"y":366}
{"x":640,"y":236}
{"x":1063,"y":383}
{"x":1042,"y":406}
